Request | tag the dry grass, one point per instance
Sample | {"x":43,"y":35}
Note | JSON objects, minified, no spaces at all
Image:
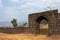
{"x":27,"y":37}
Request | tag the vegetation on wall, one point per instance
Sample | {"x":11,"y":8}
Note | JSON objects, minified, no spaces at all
{"x":24,"y":24}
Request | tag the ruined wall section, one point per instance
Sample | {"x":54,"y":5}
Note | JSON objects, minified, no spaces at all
{"x":16,"y":30}
{"x":58,"y":23}
{"x":52,"y":20}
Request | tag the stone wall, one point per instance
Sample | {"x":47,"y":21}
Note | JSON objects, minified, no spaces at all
{"x":14,"y":30}
{"x":58,"y":23}
{"x":51,"y":16}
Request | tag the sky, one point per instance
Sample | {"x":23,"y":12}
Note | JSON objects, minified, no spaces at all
{"x":19,"y":9}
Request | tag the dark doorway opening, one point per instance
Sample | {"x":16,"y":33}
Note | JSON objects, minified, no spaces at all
{"x":43,"y":25}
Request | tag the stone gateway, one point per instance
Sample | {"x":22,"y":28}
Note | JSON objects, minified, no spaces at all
{"x":52,"y":17}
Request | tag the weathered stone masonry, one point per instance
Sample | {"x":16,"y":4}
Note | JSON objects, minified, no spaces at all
{"x":53,"y":18}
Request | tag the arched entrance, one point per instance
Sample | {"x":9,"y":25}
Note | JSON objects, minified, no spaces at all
{"x":36,"y":18}
{"x":43,"y":25}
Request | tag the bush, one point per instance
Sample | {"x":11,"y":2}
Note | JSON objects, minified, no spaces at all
{"x":14,"y":22}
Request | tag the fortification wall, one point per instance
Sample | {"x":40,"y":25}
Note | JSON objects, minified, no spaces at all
{"x":14,"y":30}
{"x":58,"y":23}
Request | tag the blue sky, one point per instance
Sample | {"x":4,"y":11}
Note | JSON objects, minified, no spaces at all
{"x":20,"y":9}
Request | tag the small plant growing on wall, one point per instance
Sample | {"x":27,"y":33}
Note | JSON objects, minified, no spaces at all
{"x":14,"y":22}
{"x":24,"y":24}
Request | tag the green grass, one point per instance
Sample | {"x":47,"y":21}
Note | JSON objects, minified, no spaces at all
{"x":43,"y":31}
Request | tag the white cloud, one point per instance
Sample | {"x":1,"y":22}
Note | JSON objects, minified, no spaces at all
{"x":52,"y":3}
{"x":15,"y":0}
{"x":9,"y":10}
{"x":39,"y":4}
{"x":43,"y":5}
{"x":51,"y":0}
{"x":9,"y":13}
{"x":45,"y":0}
{"x":57,"y":0}
{"x":26,"y":5}
{"x":33,"y":4}
{"x":0,"y":3}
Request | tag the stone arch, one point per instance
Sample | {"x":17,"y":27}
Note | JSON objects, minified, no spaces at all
{"x":50,"y":16}
{"x":39,"y":19}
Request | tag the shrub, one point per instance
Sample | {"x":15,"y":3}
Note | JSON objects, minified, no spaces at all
{"x":14,"y":22}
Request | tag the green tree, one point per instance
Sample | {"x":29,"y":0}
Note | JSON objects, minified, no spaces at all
{"x":14,"y":22}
